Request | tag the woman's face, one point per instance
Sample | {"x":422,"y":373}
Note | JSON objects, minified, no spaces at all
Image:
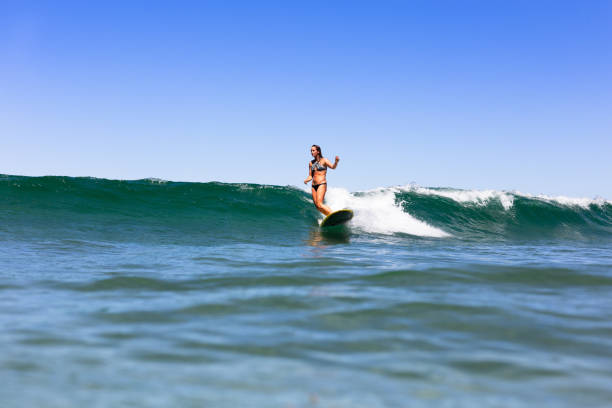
{"x":314,"y":152}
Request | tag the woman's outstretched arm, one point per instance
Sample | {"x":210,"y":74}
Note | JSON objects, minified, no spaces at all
{"x":333,"y":166}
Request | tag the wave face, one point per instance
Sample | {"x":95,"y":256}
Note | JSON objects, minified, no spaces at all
{"x":151,"y":210}
{"x":508,"y":215}
{"x":199,"y":213}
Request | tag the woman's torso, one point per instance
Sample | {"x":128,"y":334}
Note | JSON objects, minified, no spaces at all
{"x":318,"y":171}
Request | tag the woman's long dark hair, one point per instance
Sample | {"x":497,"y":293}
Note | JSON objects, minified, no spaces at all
{"x":318,"y":150}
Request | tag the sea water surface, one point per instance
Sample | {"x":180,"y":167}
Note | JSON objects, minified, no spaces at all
{"x":155,"y":294}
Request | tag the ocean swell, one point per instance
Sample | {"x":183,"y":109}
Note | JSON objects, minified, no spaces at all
{"x":153,"y":209}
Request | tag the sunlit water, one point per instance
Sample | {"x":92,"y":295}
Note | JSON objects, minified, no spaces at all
{"x":120,"y":310}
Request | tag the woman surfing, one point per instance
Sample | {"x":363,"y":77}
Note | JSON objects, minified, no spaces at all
{"x":317,"y":169}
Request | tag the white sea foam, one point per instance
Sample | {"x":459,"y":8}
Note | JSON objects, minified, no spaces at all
{"x":569,"y":201}
{"x":377,"y":212}
{"x":480,"y":197}
{"x":506,"y":198}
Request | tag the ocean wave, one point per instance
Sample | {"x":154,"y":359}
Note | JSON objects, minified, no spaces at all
{"x":479,"y":197}
{"x":506,"y":198}
{"x":212,"y":212}
{"x":377,"y":211}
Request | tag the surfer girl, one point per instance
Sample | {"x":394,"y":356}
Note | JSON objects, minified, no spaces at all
{"x":317,"y":168}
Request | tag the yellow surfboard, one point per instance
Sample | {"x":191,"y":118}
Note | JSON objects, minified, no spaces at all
{"x":337,"y":218}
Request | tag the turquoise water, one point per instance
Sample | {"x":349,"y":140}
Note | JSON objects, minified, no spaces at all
{"x":152,"y":293}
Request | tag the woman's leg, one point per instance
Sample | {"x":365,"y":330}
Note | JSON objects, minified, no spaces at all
{"x":320,"y":194}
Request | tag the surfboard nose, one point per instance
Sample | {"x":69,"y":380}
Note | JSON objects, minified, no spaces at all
{"x":337,"y":218}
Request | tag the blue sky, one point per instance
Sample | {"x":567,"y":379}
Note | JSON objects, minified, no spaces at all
{"x":466,"y":94}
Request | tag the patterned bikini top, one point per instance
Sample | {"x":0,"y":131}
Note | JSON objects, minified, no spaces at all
{"x":316,"y":166}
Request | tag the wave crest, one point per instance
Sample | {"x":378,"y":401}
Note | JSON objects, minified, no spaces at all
{"x":378,"y":211}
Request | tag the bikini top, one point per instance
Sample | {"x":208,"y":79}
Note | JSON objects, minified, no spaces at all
{"x":316,"y":166}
